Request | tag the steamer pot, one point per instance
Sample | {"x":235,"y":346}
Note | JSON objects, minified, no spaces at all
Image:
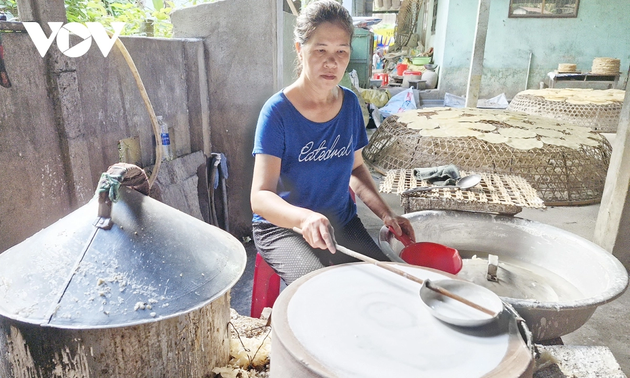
{"x":596,"y":274}
{"x":147,"y":298}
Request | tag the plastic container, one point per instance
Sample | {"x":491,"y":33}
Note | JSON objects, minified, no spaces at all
{"x":167,"y":150}
{"x":400,"y":68}
{"x":421,"y":60}
{"x":410,"y":76}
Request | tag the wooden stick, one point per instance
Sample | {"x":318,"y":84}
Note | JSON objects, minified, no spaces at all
{"x":459,"y":298}
{"x":148,"y":105}
{"x":292,"y":6}
{"x":408,"y":276}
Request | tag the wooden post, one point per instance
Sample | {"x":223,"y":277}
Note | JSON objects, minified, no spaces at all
{"x":292,"y":6}
{"x":476,"y":61}
{"x":614,"y":210}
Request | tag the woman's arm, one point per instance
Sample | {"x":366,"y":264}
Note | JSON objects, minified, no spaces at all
{"x":265,"y":202}
{"x":364,"y":187}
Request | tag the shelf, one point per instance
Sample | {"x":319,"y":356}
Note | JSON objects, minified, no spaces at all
{"x":555,"y":77}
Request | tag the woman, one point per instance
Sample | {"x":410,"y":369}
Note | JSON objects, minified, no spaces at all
{"x":308,"y":155}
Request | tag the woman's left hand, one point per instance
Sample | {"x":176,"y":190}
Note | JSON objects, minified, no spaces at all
{"x":400,"y":225}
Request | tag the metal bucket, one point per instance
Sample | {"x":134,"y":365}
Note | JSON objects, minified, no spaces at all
{"x":357,"y":320}
{"x":597,"y":275}
{"x":148,"y":297}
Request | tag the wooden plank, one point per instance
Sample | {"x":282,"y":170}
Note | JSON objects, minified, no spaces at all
{"x":292,"y":6}
{"x":614,"y":198}
{"x":476,"y":61}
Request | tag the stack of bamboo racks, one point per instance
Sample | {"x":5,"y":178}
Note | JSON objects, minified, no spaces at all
{"x":605,"y":66}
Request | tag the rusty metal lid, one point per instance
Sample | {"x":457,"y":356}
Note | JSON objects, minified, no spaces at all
{"x":154,"y":263}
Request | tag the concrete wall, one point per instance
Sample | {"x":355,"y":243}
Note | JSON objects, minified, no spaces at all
{"x":600,"y":30}
{"x":240,"y":38}
{"x":52,"y":158}
{"x":33,"y":185}
{"x":289,"y":56}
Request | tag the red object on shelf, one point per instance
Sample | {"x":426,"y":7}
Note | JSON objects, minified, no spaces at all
{"x":413,"y":73}
{"x":400,"y":68}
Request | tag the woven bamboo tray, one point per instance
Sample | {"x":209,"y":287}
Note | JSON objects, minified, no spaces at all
{"x":502,"y":194}
{"x":561,"y":175}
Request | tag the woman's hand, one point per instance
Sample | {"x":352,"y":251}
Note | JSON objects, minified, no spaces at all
{"x":363,"y":185}
{"x":400,"y":225}
{"x":318,"y":232}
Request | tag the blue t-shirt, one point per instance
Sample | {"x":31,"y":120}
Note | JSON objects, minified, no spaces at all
{"x":317,"y":158}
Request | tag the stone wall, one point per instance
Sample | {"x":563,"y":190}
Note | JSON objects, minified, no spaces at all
{"x":60,"y":127}
{"x":240,"y":38}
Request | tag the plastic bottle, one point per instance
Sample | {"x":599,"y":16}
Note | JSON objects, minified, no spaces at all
{"x":167,"y":151}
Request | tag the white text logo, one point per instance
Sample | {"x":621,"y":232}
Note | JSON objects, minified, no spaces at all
{"x":323,"y":152}
{"x":89,"y":31}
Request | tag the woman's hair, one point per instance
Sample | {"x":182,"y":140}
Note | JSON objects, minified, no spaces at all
{"x":318,"y":12}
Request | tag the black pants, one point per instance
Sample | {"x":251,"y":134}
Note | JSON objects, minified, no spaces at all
{"x":292,"y":257}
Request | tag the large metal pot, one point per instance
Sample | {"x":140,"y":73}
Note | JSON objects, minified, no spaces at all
{"x":596,"y":274}
{"x":148,"y":297}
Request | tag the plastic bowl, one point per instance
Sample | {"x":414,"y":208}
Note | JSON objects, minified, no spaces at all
{"x":421,"y":60}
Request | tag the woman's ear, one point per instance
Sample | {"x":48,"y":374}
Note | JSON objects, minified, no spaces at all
{"x":298,"y":50}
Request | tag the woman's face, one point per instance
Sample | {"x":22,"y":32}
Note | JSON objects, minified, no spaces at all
{"x":325,"y":55}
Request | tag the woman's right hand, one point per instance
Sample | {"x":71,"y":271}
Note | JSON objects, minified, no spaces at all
{"x":318,"y":232}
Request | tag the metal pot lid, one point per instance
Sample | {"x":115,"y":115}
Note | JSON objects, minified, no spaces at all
{"x":154,"y":263}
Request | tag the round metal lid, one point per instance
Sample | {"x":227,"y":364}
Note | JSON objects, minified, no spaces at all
{"x":155,"y":262}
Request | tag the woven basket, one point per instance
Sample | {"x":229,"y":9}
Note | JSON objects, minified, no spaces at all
{"x":567,"y":67}
{"x":599,"y":117}
{"x":561,"y":175}
{"x":605,"y":66}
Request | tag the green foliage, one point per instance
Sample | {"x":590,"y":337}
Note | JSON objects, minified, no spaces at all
{"x":139,"y":20}
{"x":9,"y":6}
{"x":158,"y":4}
